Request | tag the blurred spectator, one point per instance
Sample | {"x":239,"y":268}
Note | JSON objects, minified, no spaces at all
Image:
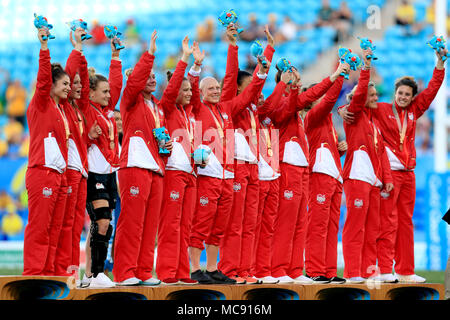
{"x":6,"y":201}
{"x":287,"y":31}
{"x":423,"y":140}
{"x":343,"y":21}
{"x":405,"y":14}
{"x":3,"y":147}
{"x":324,"y":17}
{"x":430,"y":16}
{"x":253,"y":31}
{"x":206,"y":31}
{"x":12,"y":224}
{"x":16,"y":99}
{"x":131,"y":32}
{"x":4,"y":81}
{"x":98,"y":34}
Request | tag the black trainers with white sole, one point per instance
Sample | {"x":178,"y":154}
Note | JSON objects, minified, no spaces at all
{"x":337,"y":280}
{"x":320,"y":279}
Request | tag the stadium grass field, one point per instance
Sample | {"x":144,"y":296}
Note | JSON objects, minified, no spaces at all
{"x":431,"y":276}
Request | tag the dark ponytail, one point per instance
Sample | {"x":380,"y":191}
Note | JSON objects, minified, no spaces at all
{"x":57,"y":72}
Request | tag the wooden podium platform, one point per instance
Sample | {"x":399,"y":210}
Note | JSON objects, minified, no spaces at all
{"x":64,"y":288}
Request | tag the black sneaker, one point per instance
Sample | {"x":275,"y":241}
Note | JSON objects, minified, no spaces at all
{"x":337,"y":280}
{"x":219,"y":278}
{"x":201,"y":277}
{"x":320,"y":279}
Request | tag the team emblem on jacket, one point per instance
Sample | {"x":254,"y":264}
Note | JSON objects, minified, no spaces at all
{"x":99,"y":185}
{"x":204,"y":201}
{"x":47,"y":192}
{"x":225,"y":116}
{"x":358,"y":203}
{"x":384,"y":194}
{"x":134,"y":191}
{"x":320,"y":198}
{"x":288,"y":194}
{"x":236,"y":187}
{"x":110,"y":114}
{"x":174,"y":195}
{"x":69,"y":190}
{"x":411,"y":116}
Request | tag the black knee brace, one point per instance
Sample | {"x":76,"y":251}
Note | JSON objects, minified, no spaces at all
{"x":99,"y":213}
{"x":99,"y":248}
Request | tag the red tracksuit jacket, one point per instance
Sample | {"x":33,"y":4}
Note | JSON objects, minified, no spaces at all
{"x":101,"y":158}
{"x":139,"y":146}
{"x":293,"y":143}
{"x":48,"y":124}
{"x":366,"y":158}
{"x":386,"y":121}
{"x":322,"y":137}
{"x":180,"y":122}
{"x":247,"y":126}
{"x":78,"y":130}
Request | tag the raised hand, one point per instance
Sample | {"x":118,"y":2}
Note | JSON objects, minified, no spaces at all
{"x":232,"y":34}
{"x":262,"y":69}
{"x":197,"y":54}
{"x":41,"y":33}
{"x":367,"y":62}
{"x":269,"y":36}
{"x":187,"y":51}
{"x":287,"y":77}
{"x":439,"y":55}
{"x":346,"y":115}
{"x":152,"y":46}
{"x":75,"y":38}
{"x":342,"y":68}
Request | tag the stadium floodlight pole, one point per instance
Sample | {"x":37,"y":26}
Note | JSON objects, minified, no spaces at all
{"x":441,"y":119}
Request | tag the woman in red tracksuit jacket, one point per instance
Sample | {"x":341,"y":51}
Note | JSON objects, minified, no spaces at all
{"x":103,"y":162}
{"x":236,"y":253}
{"x":290,"y":223}
{"x":68,"y":253}
{"x":180,"y":183}
{"x":215,"y":180}
{"x":325,"y":187}
{"x":140,"y":176}
{"x":269,"y":185}
{"x":366,"y":171}
{"x":45,"y":178}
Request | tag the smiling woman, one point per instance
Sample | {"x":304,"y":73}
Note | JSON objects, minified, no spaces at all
{"x":45,"y":179}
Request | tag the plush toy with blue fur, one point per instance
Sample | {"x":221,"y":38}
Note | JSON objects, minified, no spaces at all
{"x":227,"y":17}
{"x":353,"y":60}
{"x":257,"y":50}
{"x":201,"y":156}
{"x":79,"y":23}
{"x":438,"y":43}
{"x":162,"y":137}
{"x":42,"y":22}
{"x":366,"y":43}
{"x":111,"y":32}
{"x":284,"y":65}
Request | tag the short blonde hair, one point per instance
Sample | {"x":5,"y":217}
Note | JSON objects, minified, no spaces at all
{"x":350,"y":95}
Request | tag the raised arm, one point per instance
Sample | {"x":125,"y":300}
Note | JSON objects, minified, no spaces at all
{"x":44,"y":76}
{"x":314,"y":93}
{"x":320,"y":112}
{"x":115,"y":77}
{"x":83,"y":102}
{"x":170,"y":94}
{"x":74,"y":60}
{"x":194,"y":77}
{"x":269,"y":50}
{"x":137,"y":80}
{"x":359,"y":98}
{"x":273,"y":101}
{"x":250,"y":93}
{"x":423,"y":100}
{"x":229,"y":88}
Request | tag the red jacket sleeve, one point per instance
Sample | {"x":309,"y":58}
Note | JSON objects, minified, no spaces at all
{"x":195,"y":99}
{"x":287,"y":109}
{"x":314,"y":93}
{"x":137,"y":81}
{"x":115,"y":83}
{"x":43,"y":81}
{"x":423,"y":100}
{"x":72,"y":64}
{"x":272,"y":102}
{"x":240,"y":102}
{"x":321,"y":111}
{"x":83,"y":102}
{"x":170,"y":94}
{"x":229,"y":89}
{"x":359,"y":98}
